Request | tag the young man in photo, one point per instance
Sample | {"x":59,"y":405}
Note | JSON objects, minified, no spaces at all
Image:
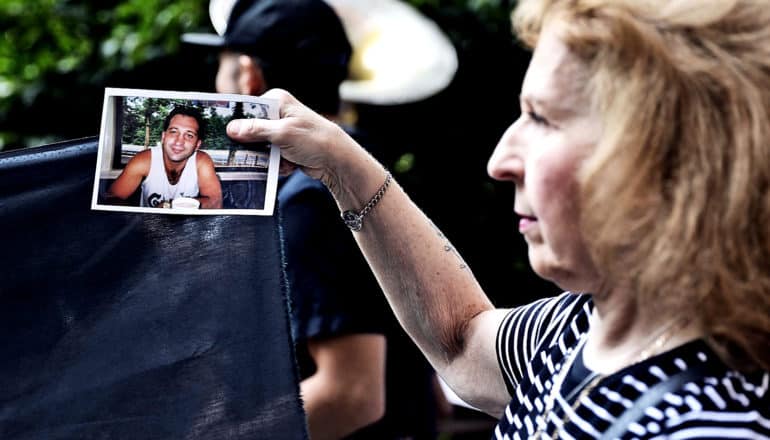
{"x":175,"y":168}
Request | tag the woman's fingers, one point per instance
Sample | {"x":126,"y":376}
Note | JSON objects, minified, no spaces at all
{"x":259,"y":130}
{"x":250,"y":130}
{"x":307,"y":139}
{"x":285,"y":168}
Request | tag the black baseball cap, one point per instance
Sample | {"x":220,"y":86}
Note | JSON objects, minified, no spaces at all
{"x":300,"y":45}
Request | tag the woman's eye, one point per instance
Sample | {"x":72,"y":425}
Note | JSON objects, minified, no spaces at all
{"x":538,"y":119}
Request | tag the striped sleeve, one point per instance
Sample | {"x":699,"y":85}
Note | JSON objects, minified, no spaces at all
{"x":527,"y":327}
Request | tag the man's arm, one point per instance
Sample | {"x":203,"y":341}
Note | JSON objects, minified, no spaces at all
{"x":210,"y":194}
{"x":347,"y":391}
{"x":131,"y":177}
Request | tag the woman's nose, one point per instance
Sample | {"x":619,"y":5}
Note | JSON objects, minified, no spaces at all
{"x":507,"y":162}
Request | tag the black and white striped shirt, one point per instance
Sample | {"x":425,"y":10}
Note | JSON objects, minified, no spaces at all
{"x":534,"y":341}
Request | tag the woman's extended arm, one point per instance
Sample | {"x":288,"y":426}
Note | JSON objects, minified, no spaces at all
{"x":432,"y":291}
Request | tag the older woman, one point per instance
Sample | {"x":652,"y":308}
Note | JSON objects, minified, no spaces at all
{"x":642,"y":169}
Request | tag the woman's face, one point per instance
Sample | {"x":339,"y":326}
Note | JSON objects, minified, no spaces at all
{"x":541,"y":153}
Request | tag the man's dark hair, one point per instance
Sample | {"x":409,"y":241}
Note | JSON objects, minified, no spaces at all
{"x":192,"y":112}
{"x":300,"y":45}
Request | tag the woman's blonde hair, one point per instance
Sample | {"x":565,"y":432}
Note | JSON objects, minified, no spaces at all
{"x":676,"y":197}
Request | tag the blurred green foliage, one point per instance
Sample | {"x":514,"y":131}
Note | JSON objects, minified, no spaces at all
{"x":494,"y":15}
{"x":65,"y":49}
{"x":57,"y":47}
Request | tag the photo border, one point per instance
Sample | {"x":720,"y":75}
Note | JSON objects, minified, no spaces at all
{"x":110,"y":93}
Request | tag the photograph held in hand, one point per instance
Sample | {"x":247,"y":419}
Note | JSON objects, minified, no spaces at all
{"x":167,"y":152}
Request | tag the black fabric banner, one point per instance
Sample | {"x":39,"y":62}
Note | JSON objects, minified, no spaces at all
{"x":136,"y":326}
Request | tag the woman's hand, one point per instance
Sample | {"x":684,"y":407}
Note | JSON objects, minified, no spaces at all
{"x":307,"y":140}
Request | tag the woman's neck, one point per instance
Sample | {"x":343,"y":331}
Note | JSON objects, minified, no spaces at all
{"x":623,"y":332}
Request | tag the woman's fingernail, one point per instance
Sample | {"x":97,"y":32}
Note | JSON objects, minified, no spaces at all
{"x":234,"y":127}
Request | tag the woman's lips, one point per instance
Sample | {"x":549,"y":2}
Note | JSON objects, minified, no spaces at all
{"x":526,"y":222}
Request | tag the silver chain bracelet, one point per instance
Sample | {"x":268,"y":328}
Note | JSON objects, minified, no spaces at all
{"x":355,"y":220}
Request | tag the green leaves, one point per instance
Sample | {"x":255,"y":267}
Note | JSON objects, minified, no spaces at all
{"x":43,"y":41}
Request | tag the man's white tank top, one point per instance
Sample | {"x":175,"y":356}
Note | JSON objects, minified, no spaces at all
{"x":156,"y":187}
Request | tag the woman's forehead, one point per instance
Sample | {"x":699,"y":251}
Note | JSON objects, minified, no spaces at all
{"x":555,"y":75}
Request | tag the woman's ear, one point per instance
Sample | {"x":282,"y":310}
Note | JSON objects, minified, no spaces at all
{"x":251,"y":81}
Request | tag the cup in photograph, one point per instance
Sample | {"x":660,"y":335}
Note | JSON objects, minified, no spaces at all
{"x":185,"y":203}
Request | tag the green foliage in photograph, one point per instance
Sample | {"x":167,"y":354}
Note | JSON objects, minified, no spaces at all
{"x":143,"y":121}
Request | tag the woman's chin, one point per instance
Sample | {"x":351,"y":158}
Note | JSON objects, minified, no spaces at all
{"x":567,"y":278}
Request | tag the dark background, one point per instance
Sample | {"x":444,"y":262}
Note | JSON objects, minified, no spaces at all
{"x":56,"y":57}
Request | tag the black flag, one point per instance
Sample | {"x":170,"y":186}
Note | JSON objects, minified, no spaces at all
{"x":136,"y":326}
